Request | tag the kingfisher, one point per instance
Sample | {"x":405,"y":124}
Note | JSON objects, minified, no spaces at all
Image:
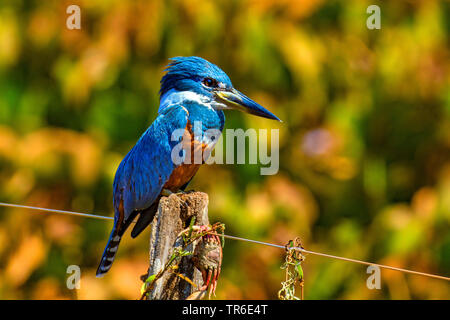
{"x":193,"y":90}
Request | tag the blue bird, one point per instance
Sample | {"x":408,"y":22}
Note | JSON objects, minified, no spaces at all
{"x":193,"y":90}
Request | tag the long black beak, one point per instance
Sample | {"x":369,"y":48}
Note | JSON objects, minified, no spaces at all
{"x":237,"y":100}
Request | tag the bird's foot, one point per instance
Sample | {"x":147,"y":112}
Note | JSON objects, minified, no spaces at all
{"x":167,"y":193}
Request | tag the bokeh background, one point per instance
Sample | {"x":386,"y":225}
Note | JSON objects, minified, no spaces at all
{"x":364,"y":146}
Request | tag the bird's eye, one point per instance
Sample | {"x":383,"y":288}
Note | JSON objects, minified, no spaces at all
{"x":210,"y":82}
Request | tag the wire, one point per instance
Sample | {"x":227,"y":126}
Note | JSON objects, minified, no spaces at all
{"x":72,"y":213}
{"x":336,"y":257}
{"x":86,"y":215}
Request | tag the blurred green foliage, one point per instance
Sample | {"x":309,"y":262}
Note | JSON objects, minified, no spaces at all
{"x":364,"y":146}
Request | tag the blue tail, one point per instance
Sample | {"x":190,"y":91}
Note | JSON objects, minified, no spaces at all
{"x":109,"y":253}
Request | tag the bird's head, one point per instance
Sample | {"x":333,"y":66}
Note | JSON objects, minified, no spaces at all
{"x":196,"y":75}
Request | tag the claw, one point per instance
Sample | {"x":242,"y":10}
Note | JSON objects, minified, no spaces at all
{"x":167,"y":192}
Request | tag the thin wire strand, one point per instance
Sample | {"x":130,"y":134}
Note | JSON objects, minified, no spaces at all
{"x":336,"y":257}
{"x":72,"y":213}
{"x":86,"y":215}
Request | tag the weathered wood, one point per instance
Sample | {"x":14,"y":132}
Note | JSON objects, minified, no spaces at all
{"x":174,"y":215}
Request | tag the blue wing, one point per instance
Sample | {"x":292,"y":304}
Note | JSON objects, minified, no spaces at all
{"x":141,"y":176}
{"x":147,"y":167}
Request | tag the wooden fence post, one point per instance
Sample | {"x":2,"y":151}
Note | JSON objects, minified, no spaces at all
{"x":174,"y":215}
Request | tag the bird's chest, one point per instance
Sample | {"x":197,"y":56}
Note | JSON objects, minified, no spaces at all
{"x":196,"y":145}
